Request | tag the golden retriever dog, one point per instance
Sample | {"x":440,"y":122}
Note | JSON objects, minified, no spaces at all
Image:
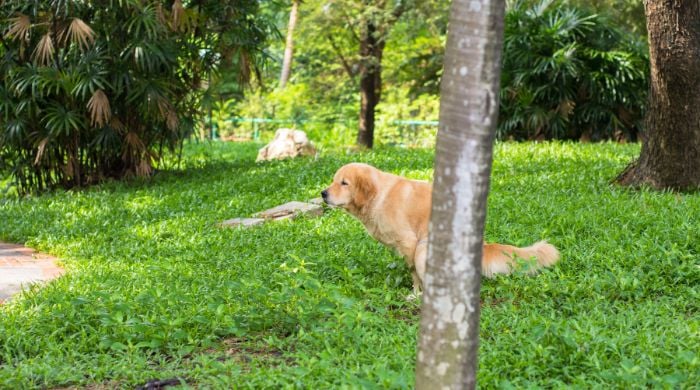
{"x":396,"y":212}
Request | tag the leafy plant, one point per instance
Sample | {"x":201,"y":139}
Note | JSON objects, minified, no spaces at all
{"x":97,"y":89}
{"x":568,"y":73}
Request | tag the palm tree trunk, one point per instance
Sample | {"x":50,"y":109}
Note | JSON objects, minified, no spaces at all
{"x":449,"y":335}
{"x":289,"y":45}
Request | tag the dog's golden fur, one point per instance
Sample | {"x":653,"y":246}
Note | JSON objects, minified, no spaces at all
{"x":396,"y":211}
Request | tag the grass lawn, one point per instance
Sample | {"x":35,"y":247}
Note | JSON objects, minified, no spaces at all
{"x":155,"y":291}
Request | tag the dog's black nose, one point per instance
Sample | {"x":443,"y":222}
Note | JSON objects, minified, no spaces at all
{"x":324,"y":194}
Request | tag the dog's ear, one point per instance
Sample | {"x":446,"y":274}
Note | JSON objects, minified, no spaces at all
{"x":365,"y":190}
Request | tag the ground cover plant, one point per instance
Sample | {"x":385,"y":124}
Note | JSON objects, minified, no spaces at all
{"x":155,"y":291}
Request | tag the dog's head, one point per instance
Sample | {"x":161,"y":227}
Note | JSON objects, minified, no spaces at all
{"x":353,"y":188}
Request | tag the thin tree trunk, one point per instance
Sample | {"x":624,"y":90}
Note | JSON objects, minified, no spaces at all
{"x":289,"y":45}
{"x":670,"y":156}
{"x":449,"y":334}
{"x":371,"y":50}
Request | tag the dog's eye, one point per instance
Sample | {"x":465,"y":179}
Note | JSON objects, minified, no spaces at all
{"x":343,"y":183}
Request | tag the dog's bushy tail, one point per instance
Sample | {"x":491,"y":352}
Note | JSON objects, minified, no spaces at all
{"x":502,"y":259}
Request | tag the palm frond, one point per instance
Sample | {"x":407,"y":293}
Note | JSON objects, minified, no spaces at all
{"x":133,"y":144}
{"x":178,"y":11}
{"x":160,"y":13}
{"x":117,"y":125}
{"x":44,"y":50}
{"x":144,"y":23}
{"x":167,"y":111}
{"x":80,"y":33}
{"x":99,"y":107}
{"x":20,"y":27}
{"x":41,"y":149}
{"x":144,"y":167}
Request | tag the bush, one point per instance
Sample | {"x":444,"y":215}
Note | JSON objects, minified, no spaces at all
{"x":568,"y":74}
{"x":99,"y":89}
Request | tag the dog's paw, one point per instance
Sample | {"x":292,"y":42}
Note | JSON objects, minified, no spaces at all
{"x":414,"y":296}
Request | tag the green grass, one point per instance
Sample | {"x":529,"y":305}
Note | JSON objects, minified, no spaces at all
{"x":155,"y":290}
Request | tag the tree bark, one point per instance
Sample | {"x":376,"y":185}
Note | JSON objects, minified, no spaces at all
{"x":670,"y":156}
{"x":371,"y":50}
{"x":449,"y":334}
{"x":375,"y":29}
{"x":289,"y":45}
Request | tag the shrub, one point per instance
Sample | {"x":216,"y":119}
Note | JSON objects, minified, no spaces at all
{"x":568,"y":73}
{"x":99,"y":89}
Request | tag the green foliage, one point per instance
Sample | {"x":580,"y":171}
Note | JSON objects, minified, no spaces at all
{"x":323,"y":95}
{"x":398,"y":104}
{"x":332,"y":124}
{"x":155,"y":290}
{"x":98,"y":89}
{"x":629,"y":14}
{"x":325,"y":121}
{"x":568,"y":73}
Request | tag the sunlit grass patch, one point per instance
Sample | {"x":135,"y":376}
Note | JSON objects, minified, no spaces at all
{"x":156,"y":290}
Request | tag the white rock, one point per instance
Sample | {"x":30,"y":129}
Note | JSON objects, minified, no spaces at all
{"x":288,"y":143}
{"x":244,"y":222}
{"x":291,"y":209}
{"x":318,"y":201}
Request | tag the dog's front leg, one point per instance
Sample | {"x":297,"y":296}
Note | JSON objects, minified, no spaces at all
{"x":417,"y":285}
{"x":417,"y":263}
{"x":419,"y":259}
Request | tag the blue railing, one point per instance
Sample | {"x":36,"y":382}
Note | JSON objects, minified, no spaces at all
{"x":257,"y":121}
{"x":414,"y":123}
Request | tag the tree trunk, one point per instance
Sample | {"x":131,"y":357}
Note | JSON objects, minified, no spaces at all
{"x":449,"y":335}
{"x":371,"y":50}
{"x":670,"y":156}
{"x":289,"y":45}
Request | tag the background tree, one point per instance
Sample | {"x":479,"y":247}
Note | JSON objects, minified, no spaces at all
{"x":289,"y":44}
{"x":449,"y":336}
{"x":670,"y":156}
{"x":369,"y":23}
{"x":601,"y":73}
{"x":324,"y":98}
{"x":98,"y":89}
